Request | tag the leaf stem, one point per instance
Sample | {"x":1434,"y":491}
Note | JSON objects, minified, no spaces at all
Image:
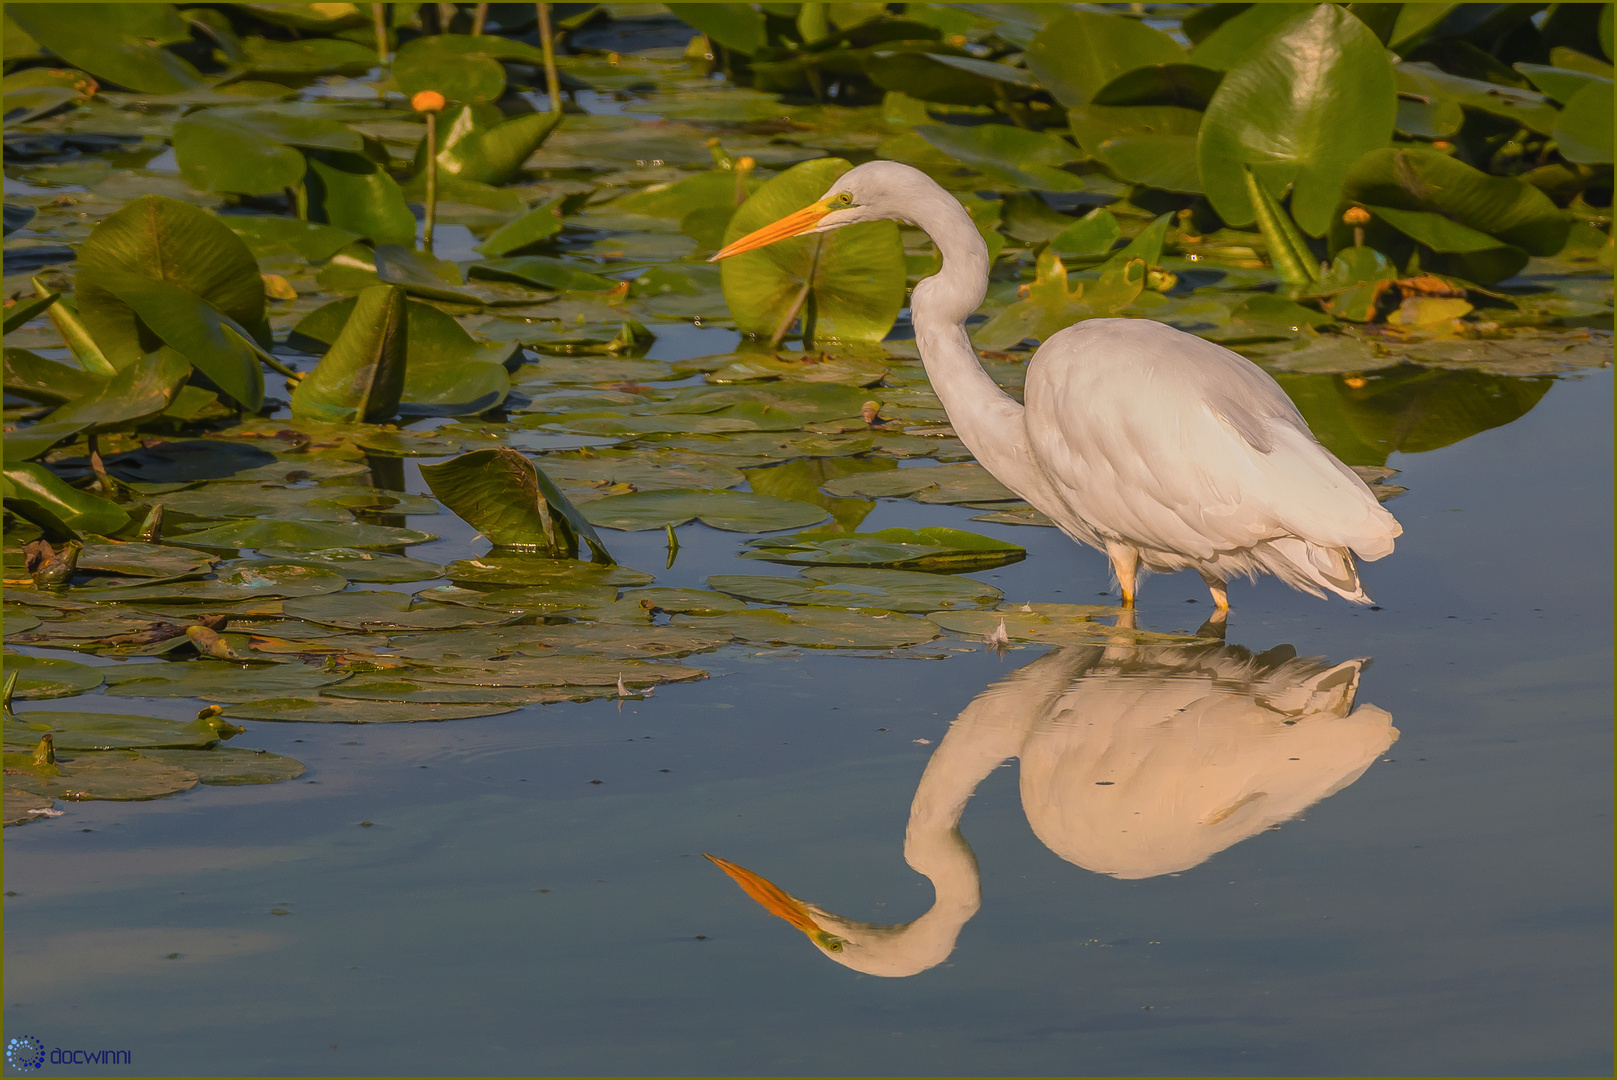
{"x":801,"y":299}
{"x":479,"y":17}
{"x":432,"y":180}
{"x":379,"y":21}
{"x":548,"y":44}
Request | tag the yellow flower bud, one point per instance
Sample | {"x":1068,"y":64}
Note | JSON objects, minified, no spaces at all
{"x":427,"y":101}
{"x":1356,"y":215}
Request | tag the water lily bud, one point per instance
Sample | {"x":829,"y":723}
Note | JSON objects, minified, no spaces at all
{"x":427,"y":101}
{"x":870,"y":412}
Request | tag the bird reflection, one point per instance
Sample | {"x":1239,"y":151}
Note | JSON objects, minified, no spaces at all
{"x":1135,"y":762}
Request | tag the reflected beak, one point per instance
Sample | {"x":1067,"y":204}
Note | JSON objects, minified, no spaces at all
{"x":791,"y":225}
{"x":774,"y":899}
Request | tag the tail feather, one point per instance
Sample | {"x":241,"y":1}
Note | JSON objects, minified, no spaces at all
{"x":1311,"y":568}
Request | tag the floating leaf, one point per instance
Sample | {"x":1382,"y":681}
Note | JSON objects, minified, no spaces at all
{"x":818,"y":628}
{"x":541,"y":273}
{"x":252,"y":581}
{"x":851,"y":280}
{"x":852,"y":587}
{"x":119,"y":775}
{"x":1053,"y":624}
{"x":267,"y":234}
{"x":216,"y":680}
{"x":965,"y":482}
{"x":356,"y":565}
{"x":337,"y":711}
{"x":1299,"y":112}
{"x":520,"y":569}
{"x":509,"y":500}
{"x":228,"y":766}
{"x":929,"y":548}
{"x":141,"y":560}
{"x":733,"y":511}
{"x":115,"y":731}
{"x":374,"y":610}
{"x":40,"y":677}
{"x":301,"y":534}
{"x":216,"y":154}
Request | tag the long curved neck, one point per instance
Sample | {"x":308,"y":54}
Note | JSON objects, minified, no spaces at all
{"x":988,"y":420}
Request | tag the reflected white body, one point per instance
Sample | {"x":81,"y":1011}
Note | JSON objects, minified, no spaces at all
{"x":1134,"y":762}
{"x":1165,"y":451}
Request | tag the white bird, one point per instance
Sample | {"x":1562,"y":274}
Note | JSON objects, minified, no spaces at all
{"x":1165,"y":451}
{"x":1135,"y":762}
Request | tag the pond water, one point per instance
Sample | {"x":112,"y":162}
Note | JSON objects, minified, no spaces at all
{"x":1446,"y":912}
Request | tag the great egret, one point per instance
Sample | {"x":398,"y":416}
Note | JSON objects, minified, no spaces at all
{"x":1135,"y":762}
{"x":1165,"y":451}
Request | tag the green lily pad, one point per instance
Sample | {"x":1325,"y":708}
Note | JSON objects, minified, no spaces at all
{"x":141,"y":560}
{"x":249,"y":581}
{"x":215,"y":680}
{"x":301,"y":535}
{"x":733,"y":511}
{"x":385,"y":610}
{"x":338,"y":711}
{"x":118,"y":775}
{"x":356,"y":565}
{"x":622,"y":641}
{"x":113,"y":731}
{"x":962,"y":483}
{"x":426,"y":692}
{"x":229,"y":766}
{"x":658,"y":470}
{"x":520,"y":569}
{"x":508,"y":499}
{"x":1008,"y":155}
{"x":22,"y":807}
{"x":928,"y":548}
{"x":563,"y":670}
{"x":1053,"y":624}
{"x":40,"y":677}
{"x":818,"y":628}
{"x":854,"y":587}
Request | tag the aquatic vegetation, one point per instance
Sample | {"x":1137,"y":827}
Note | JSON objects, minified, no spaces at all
{"x":230,"y":328}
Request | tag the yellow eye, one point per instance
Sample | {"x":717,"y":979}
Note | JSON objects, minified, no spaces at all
{"x":842,"y":200}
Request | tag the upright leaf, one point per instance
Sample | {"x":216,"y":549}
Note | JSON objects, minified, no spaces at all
{"x":353,"y":192}
{"x":1079,"y":52}
{"x":117,"y":43}
{"x":506,"y":497}
{"x":217,"y":345}
{"x":174,"y":242}
{"x":139,"y":391}
{"x":851,"y":280}
{"x":1298,"y":112}
{"x":362,"y":376}
{"x":39,"y":495}
{"x":1584,"y":130}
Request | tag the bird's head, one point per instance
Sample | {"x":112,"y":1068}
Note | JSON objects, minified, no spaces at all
{"x":870,"y":948}
{"x":874,"y":191}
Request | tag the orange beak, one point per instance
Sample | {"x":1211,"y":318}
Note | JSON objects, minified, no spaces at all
{"x":774,"y":899}
{"x":791,"y":225}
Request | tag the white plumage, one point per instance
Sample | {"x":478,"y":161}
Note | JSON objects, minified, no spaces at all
{"x":1165,"y":451}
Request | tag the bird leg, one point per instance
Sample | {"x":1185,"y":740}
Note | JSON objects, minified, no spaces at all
{"x":1126,"y":566}
{"x":1220,"y":591}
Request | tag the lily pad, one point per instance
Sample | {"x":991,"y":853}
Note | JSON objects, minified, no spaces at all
{"x":818,"y":628}
{"x":385,"y":610}
{"x":229,"y":766}
{"x":1053,"y":624}
{"x":40,"y":677}
{"x":114,"y":731}
{"x":733,"y":511}
{"x":118,"y":775}
{"x":929,"y":548}
{"x":251,"y":581}
{"x":338,"y":711}
{"x":141,"y":560}
{"x":962,"y":483}
{"x":853,"y":587}
{"x":519,"y":569}
{"x":356,"y":565}
{"x":301,"y":535}
{"x":216,"y":680}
